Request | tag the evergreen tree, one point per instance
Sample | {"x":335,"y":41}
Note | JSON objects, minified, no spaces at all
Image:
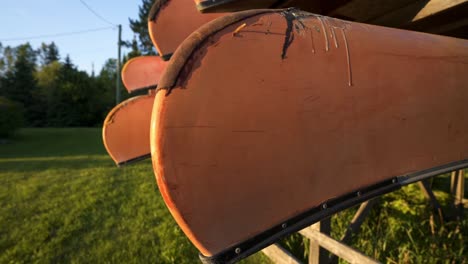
{"x":140,"y":27}
{"x":19,"y":83}
{"x":48,"y":53}
{"x":134,"y":52}
{"x":7,"y":59}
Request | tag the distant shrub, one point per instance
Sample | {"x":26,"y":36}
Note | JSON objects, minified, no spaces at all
{"x":11,"y":117}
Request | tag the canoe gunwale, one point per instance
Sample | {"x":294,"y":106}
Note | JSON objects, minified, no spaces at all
{"x":155,"y":8}
{"x":206,"y":7}
{"x":166,"y":57}
{"x":134,"y":160}
{"x":324,"y":210}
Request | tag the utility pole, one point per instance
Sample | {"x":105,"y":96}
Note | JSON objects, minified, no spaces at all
{"x":117,"y":84}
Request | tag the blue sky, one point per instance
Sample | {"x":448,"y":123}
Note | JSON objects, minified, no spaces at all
{"x":29,"y":18}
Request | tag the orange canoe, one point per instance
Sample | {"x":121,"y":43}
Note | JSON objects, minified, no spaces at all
{"x":284,"y":117}
{"x":126,"y":130}
{"x":171,"y":21}
{"x":142,"y":73}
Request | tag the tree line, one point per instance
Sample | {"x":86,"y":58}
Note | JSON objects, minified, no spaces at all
{"x":51,"y":90}
{"x":48,"y":90}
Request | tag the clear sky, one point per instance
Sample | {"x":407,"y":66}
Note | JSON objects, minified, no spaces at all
{"x":29,"y":18}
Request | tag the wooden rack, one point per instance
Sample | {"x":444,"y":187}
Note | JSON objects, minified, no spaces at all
{"x":321,"y":244}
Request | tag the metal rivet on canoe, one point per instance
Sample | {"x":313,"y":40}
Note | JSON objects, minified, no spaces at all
{"x":324,"y":206}
{"x":394,"y":181}
{"x":284,"y":225}
{"x":238,"y":250}
{"x":358,"y":193}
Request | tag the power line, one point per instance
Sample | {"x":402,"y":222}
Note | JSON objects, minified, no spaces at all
{"x":58,"y":34}
{"x":96,"y":14}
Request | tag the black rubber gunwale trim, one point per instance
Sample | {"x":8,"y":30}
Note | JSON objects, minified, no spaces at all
{"x":166,"y":57}
{"x":425,"y":174}
{"x":155,"y":8}
{"x":130,"y":161}
{"x":301,"y":221}
{"x":204,"y":7}
{"x":326,"y":209}
{"x":142,"y":89}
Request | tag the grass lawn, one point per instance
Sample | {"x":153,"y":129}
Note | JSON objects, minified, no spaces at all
{"x":63,"y":200}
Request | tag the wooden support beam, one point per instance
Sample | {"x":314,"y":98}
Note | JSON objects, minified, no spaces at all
{"x":457,"y":191}
{"x":453,"y":182}
{"x":280,"y":255}
{"x":436,"y":6}
{"x":317,"y":254}
{"x":429,"y":194}
{"x":356,"y":222}
{"x":417,"y":11}
{"x":459,"y":194}
{"x":358,"y":219}
{"x":347,"y":253}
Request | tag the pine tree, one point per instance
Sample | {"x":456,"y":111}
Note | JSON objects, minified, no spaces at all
{"x":19,"y":83}
{"x":134,"y":52}
{"x":140,"y":27}
{"x":48,"y":53}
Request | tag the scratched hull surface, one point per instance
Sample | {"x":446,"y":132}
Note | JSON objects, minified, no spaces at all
{"x":171,"y":21}
{"x":272,"y":113}
{"x":126,"y":130}
{"x":142,"y":73}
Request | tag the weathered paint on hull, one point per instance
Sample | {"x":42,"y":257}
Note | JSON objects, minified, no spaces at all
{"x":142,"y":73}
{"x":267,"y":114}
{"x":126,"y":130}
{"x":171,"y":21}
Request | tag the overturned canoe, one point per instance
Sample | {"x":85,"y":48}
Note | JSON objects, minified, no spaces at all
{"x":142,"y":73}
{"x":171,"y":21}
{"x":267,"y":121}
{"x":126,"y":130}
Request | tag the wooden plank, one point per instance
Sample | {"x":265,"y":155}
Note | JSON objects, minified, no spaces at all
{"x":453,"y":182}
{"x":356,"y":222}
{"x":365,"y":10}
{"x":459,"y":194}
{"x":436,"y":6}
{"x":415,"y":12}
{"x":317,"y":254}
{"x":427,"y":191}
{"x":358,"y":219}
{"x":280,"y":255}
{"x":314,"y":247}
{"x":345,"y":252}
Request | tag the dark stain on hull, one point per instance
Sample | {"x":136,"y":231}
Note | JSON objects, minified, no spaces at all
{"x":289,"y":35}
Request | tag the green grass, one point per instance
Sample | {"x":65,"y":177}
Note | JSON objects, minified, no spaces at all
{"x":398,"y":229}
{"x":62,"y":200}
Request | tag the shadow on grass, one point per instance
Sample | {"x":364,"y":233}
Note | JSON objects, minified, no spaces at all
{"x":50,"y":142}
{"x":27,"y":165}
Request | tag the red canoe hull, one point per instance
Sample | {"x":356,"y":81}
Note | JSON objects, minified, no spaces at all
{"x":171,"y":21}
{"x":126,"y":130}
{"x":142,"y":73}
{"x":265,"y":115}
